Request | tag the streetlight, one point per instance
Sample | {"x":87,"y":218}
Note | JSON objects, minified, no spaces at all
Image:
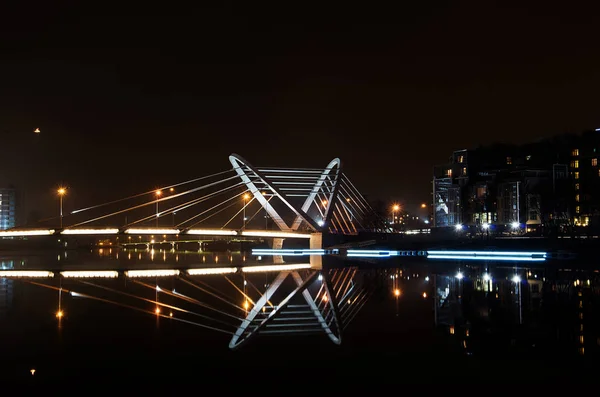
{"x":395,"y":208}
{"x":158,"y":193}
{"x":61,"y":192}
{"x":423,"y":205}
{"x":266,"y":216}
{"x":246,"y":196}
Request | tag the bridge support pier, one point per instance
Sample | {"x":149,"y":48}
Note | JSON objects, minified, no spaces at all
{"x":277,"y":243}
{"x":316,"y":242}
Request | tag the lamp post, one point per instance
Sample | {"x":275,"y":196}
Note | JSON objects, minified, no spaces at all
{"x":158,"y":193}
{"x":395,"y":208}
{"x":246,"y":196}
{"x":266,"y":216}
{"x":61,"y":192}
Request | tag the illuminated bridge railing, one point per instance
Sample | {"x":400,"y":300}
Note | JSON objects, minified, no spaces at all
{"x":158,"y":231}
{"x":430,"y":255}
{"x":151,"y":273}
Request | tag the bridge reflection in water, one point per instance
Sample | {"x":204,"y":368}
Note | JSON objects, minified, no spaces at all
{"x":265,"y":299}
{"x":459,"y":309}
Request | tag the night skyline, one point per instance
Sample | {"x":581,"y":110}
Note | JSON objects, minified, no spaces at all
{"x":138,"y":101}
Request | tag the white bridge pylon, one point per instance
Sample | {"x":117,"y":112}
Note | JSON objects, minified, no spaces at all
{"x":323,"y":208}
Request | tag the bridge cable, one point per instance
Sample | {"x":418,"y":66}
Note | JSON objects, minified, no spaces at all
{"x":155,"y":301}
{"x":129,"y":307}
{"x":214,"y":294}
{"x":150,"y":192}
{"x":154,"y":201}
{"x":183,"y":206}
{"x":210,"y":209}
{"x":189,"y":299}
{"x":239,"y":212}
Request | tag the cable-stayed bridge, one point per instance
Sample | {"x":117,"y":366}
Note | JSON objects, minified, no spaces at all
{"x":243,"y":201}
{"x":318,"y":205}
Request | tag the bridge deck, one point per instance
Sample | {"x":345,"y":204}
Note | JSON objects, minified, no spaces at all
{"x":151,"y":231}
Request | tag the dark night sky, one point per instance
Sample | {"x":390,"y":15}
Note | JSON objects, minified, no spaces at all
{"x":135,"y":98}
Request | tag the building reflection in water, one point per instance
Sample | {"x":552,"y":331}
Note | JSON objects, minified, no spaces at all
{"x":519,"y":311}
{"x":6,"y":289}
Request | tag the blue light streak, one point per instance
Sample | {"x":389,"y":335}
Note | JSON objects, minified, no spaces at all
{"x":488,"y":258}
{"x":488,"y":253}
{"x":288,"y":252}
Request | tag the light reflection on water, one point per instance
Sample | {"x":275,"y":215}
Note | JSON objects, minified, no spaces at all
{"x":119,"y":258}
{"x":484,"y":313}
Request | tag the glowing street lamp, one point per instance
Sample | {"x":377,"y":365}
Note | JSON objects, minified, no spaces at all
{"x":157,"y":193}
{"x":61,"y":192}
{"x":395,"y":208}
{"x":246,"y":197}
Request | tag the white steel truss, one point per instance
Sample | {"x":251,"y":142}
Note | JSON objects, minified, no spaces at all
{"x":331,"y":203}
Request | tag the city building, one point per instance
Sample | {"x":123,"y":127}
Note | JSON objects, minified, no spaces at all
{"x":8,"y":204}
{"x":552,"y":184}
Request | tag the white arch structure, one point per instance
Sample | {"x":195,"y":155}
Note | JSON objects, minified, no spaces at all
{"x":323,"y":191}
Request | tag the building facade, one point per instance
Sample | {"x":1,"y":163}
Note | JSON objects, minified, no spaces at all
{"x":549,"y":184}
{"x":8,"y":208}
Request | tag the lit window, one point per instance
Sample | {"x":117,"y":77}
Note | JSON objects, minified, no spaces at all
{"x":575,"y":152}
{"x":449,"y":172}
{"x":577,"y":197}
{"x":464,"y":171}
{"x":575,"y":164}
{"x":577,"y":210}
{"x":509,"y":160}
{"x":594,"y":162}
{"x":528,"y":158}
{"x":461,"y":159}
{"x":577,"y":186}
{"x":576,"y":174}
